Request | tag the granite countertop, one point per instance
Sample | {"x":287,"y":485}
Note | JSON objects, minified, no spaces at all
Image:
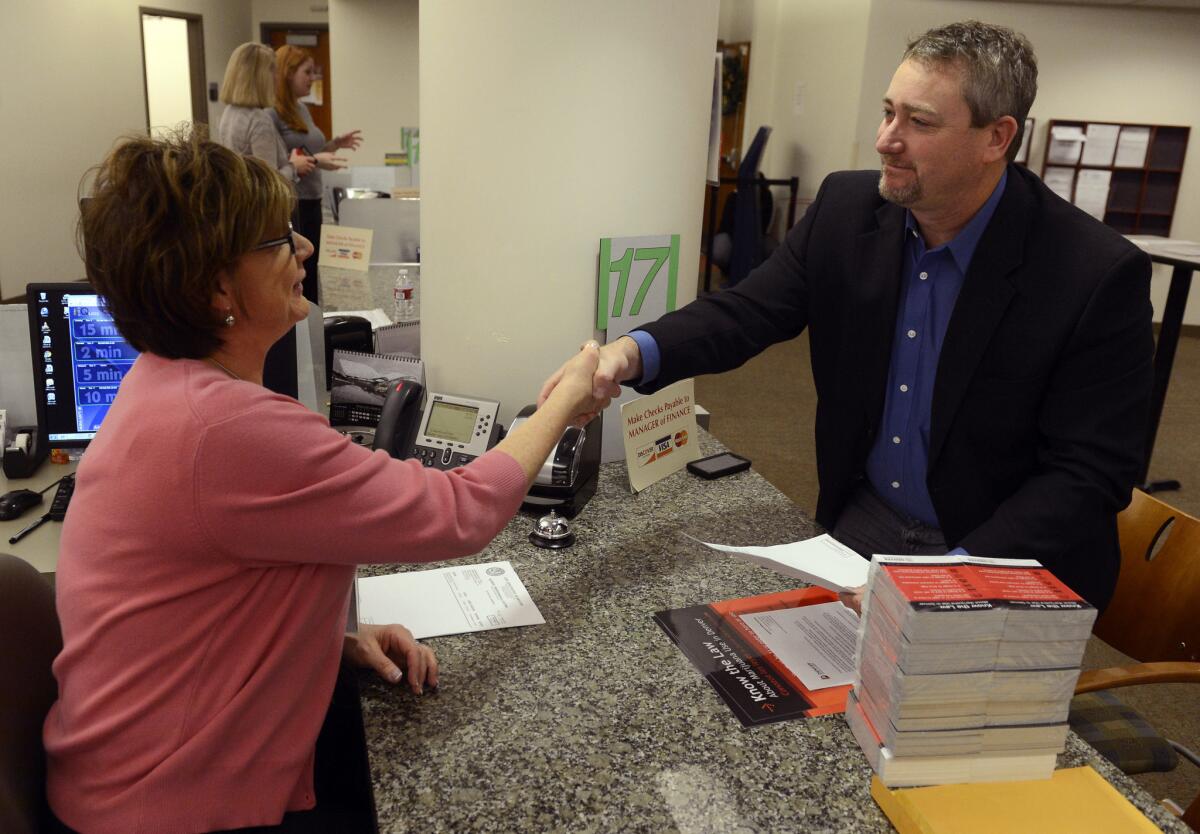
{"x":595,"y":722}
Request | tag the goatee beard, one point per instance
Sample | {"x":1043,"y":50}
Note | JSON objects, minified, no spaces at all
{"x":904,"y":196}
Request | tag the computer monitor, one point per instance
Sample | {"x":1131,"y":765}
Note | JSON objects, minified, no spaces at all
{"x":79,"y":360}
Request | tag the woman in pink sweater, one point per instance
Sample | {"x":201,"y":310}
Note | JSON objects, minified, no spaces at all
{"x":207,"y":558}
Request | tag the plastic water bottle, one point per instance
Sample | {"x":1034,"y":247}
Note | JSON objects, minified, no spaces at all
{"x":404,"y":306}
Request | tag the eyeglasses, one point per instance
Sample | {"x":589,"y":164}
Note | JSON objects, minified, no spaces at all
{"x":289,"y":239}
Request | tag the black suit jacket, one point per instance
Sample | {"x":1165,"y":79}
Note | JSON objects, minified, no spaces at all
{"x":1042,"y":390}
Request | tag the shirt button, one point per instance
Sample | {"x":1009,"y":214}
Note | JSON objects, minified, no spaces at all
{"x":896,"y":440}
{"x":895,"y":485}
{"x":924,"y":275}
{"x":912,"y":334}
{"x":904,"y":388}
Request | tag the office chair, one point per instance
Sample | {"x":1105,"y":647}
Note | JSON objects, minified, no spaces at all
{"x":340,"y":194}
{"x":722,"y":240}
{"x":31,"y":640}
{"x":748,"y":248}
{"x":1152,"y":618}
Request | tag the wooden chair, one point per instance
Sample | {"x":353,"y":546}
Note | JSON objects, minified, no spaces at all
{"x":1154,"y":617}
{"x":30,"y":639}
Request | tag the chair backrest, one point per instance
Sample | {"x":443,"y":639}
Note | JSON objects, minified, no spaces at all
{"x":1153,"y":614}
{"x":747,"y":220}
{"x":30,"y":639}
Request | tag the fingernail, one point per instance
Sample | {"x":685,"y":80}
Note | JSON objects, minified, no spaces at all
{"x":395,"y":675}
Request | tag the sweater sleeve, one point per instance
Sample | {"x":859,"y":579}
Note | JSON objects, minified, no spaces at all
{"x":266,"y":144}
{"x":276,"y":484}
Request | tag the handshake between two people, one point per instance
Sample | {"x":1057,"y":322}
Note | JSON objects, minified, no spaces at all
{"x":593,"y":377}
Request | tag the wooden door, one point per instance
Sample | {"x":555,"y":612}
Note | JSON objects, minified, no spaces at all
{"x":315,"y":38}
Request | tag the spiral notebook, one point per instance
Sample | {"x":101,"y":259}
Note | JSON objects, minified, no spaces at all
{"x":403,"y":337}
{"x":361,"y":381}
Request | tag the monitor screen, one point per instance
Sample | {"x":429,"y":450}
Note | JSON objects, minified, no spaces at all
{"x":79,"y":360}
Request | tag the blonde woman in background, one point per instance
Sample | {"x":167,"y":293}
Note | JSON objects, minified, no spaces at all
{"x":246,"y":126}
{"x":294,"y":74}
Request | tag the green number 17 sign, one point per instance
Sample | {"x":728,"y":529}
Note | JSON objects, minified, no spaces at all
{"x":637,"y":281}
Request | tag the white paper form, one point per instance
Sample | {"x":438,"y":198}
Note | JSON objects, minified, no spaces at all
{"x":1060,"y":180}
{"x":821,"y":561}
{"x":815,"y":642}
{"x":455,"y":600}
{"x":1101,"y":144}
{"x":1065,"y":145}
{"x":1091,"y":190}
{"x":1131,"y":147}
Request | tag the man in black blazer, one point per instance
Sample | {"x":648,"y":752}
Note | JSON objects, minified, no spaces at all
{"x":982,"y":349}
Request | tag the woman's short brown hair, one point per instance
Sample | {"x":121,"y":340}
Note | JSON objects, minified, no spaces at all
{"x":166,"y":216}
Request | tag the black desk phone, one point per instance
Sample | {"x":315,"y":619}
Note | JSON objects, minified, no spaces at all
{"x":440,"y":430}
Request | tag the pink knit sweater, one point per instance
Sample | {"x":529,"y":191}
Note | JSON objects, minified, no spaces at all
{"x":202,"y":585}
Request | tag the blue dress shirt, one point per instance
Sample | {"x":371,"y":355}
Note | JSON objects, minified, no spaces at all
{"x":930,"y":281}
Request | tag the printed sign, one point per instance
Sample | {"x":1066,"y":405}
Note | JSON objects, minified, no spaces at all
{"x":345,"y":247}
{"x":660,"y":434}
{"x":635,"y":284}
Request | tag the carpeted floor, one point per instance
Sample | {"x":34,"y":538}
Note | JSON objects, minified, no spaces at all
{"x":764,"y":411}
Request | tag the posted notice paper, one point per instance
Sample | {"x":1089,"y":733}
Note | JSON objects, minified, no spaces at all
{"x":432,"y":603}
{"x":815,"y":642}
{"x":345,"y":247}
{"x":821,"y":560}
{"x":659,"y":433}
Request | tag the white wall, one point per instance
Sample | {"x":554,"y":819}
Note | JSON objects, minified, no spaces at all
{"x":284,"y":11}
{"x":373,"y":57}
{"x":547,"y":125}
{"x":819,"y":45}
{"x":73,"y":71}
{"x":1124,"y":65}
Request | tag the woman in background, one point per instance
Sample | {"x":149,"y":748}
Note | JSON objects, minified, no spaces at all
{"x":246,"y":126}
{"x":206,"y":563}
{"x":294,"y":73}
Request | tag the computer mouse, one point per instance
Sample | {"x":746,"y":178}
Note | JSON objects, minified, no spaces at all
{"x":12,"y":504}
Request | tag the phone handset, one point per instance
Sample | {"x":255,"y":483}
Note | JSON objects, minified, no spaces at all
{"x":400,"y":417}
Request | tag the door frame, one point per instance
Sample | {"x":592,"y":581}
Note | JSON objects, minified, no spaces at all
{"x":197,"y":71}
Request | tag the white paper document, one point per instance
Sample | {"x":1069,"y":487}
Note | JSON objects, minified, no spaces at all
{"x":821,"y":561}
{"x":1091,"y":191}
{"x":431,"y":603}
{"x":815,"y":642}
{"x":1101,"y":144}
{"x":1060,"y":180}
{"x":1131,"y":147}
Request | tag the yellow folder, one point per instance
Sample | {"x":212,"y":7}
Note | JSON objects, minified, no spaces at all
{"x":1074,"y":800}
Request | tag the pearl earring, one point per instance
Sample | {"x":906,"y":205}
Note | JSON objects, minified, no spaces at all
{"x":229,"y":319}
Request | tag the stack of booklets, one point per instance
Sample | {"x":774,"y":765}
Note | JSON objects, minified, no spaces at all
{"x":965,"y":668}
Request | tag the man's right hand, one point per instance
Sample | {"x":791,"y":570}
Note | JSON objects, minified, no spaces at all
{"x":619,"y":361}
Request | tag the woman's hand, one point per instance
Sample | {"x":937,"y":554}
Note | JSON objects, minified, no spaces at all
{"x":574,"y":385}
{"x":328,"y":162}
{"x":347,"y":141}
{"x":392,"y":651}
{"x":302,"y":162}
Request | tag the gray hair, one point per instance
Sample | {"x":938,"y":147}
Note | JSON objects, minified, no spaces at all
{"x":998,"y":65}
